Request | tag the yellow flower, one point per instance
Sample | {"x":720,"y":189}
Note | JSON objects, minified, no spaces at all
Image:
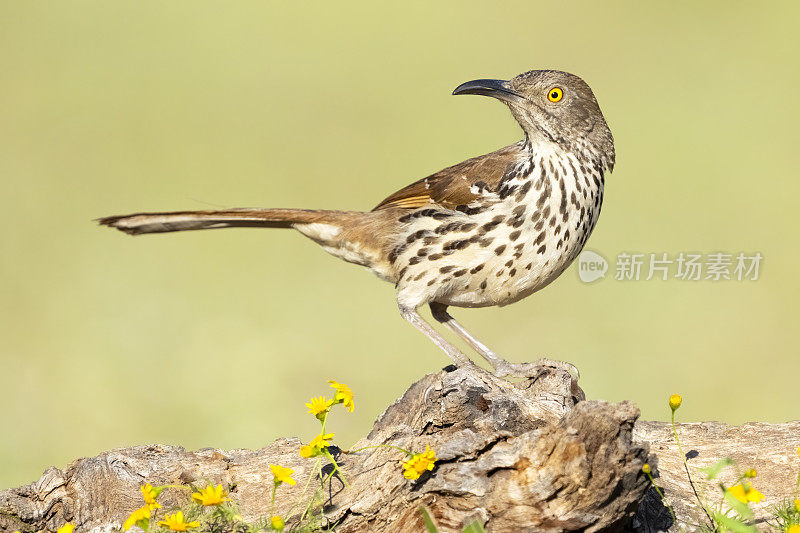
{"x":675,"y":401}
{"x":797,"y":505}
{"x":277,"y":523}
{"x":142,"y":513}
{"x":750,"y":473}
{"x":646,"y":468}
{"x":211,"y":496}
{"x":66,"y":528}
{"x":282,"y":475}
{"x":344,"y":395}
{"x":317,"y":444}
{"x":149,"y":494}
{"x":319,"y":406}
{"x":419,"y":463}
{"x":793,"y":529}
{"x":745,"y":494}
{"x":176,"y":522}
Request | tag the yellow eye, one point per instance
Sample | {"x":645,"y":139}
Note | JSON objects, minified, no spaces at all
{"x":555,"y":94}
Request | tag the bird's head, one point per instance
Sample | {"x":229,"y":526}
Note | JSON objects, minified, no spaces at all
{"x":553,"y":106}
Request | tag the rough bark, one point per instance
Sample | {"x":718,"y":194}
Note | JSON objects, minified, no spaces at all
{"x":530,"y":456}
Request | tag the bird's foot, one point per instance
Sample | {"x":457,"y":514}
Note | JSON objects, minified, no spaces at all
{"x":503,"y":368}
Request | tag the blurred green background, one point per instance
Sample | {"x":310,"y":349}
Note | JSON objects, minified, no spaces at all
{"x":217,"y":338}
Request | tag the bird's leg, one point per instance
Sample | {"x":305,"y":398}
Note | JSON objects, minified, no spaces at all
{"x":410,"y":314}
{"x":502,"y":368}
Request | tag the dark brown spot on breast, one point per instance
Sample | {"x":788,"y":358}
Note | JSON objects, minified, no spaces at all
{"x":500,"y":249}
{"x":514,"y":235}
{"x":477,"y":268}
{"x":456,"y":245}
{"x":446,"y":269}
{"x":414,"y":236}
{"x":562,"y":208}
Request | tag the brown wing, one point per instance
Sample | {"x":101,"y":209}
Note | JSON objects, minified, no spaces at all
{"x":451,"y":186}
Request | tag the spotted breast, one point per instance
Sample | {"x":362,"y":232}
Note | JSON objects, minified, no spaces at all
{"x":509,"y":241}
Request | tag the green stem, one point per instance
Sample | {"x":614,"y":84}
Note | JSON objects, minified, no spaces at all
{"x":324,"y":421}
{"x":305,"y":488}
{"x":663,"y":498}
{"x":379,"y":446}
{"x":688,"y":473}
{"x":335,"y":466}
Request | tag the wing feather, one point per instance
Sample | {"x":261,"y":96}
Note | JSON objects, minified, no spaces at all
{"x":454,"y":186}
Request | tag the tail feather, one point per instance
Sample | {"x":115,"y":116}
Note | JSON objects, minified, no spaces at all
{"x":354,"y":236}
{"x":139,"y":223}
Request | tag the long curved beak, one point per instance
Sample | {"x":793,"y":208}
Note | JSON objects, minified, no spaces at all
{"x":499,"y":89}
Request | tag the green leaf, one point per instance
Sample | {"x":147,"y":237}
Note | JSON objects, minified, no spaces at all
{"x":713,"y":471}
{"x":474,"y":527}
{"x":426,"y":517}
{"x":733,"y":524}
{"x":742,"y":509}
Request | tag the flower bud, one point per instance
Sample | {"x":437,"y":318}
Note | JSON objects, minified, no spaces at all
{"x":277,"y":523}
{"x":675,"y":401}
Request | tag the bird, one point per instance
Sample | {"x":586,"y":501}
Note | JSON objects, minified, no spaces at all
{"x":488,"y":231}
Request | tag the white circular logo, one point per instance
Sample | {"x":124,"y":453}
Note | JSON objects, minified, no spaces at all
{"x":591,"y":266}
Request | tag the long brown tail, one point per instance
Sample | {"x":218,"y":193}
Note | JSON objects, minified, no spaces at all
{"x":354,"y":236}
{"x":138,"y":223}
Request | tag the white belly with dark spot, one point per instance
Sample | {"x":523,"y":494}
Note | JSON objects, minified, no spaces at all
{"x":513,"y":248}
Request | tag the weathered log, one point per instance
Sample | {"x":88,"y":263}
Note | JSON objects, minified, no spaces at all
{"x":530,"y":456}
{"x":771,"y":449}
